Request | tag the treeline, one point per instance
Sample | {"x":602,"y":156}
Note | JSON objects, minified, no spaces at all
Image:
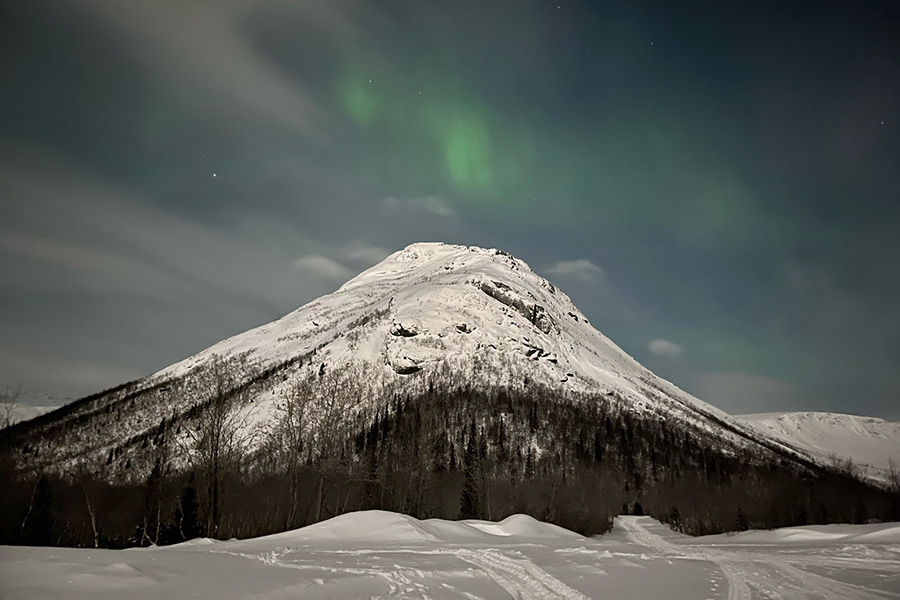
{"x":440,"y":450}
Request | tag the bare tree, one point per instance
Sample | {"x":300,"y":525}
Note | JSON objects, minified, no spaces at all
{"x":337,"y":393}
{"x":845,"y":466}
{"x":83,"y":479}
{"x":893,"y":476}
{"x":151,"y":515}
{"x":289,"y":436}
{"x":9,"y":400}
{"x":220,"y":436}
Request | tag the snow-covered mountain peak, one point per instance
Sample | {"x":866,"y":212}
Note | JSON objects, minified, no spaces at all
{"x":432,"y":302}
{"x":482,"y":312}
{"x":479,"y":316}
{"x":424,"y":260}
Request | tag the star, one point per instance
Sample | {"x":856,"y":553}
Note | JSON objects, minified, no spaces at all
{"x":214,"y":174}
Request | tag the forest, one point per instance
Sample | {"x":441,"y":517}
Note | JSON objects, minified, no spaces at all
{"x":441,"y":449}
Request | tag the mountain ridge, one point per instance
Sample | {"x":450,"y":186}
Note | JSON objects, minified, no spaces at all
{"x":870,"y":442}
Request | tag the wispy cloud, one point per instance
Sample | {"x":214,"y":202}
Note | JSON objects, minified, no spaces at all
{"x":72,"y":376}
{"x":53,"y":251}
{"x":742,"y":393}
{"x":324,"y":267}
{"x":363,"y":254}
{"x":202,"y":51}
{"x":581,"y":269}
{"x":69,"y":232}
{"x":664,"y":348}
{"x":117,"y":286}
{"x":430,"y":204}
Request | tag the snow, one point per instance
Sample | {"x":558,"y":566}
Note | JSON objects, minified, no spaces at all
{"x":886,"y":533}
{"x":390,"y":528}
{"x":376,"y":554}
{"x":480,"y":310}
{"x":430,"y":290}
{"x":869,"y":441}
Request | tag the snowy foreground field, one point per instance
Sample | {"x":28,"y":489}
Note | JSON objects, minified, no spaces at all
{"x":377,"y":554}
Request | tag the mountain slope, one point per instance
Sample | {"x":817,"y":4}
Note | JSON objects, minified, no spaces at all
{"x":480,"y":313}
{"x":870,"y":442}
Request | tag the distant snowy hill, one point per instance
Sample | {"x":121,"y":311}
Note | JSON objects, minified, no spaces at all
{"x":17,"y":405}
{"x":869,"y":441}
{"x":17,"y":412}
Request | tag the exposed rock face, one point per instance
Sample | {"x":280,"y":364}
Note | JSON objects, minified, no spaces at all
{"x":406,"y":366}
{"x":532,"y":311}
{"x":399,"y":330}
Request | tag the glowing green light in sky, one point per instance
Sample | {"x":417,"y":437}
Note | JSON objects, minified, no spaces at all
{"x":467,"y":152}
{"x":360,"y":99}
{"x":436,"y":133}
{"x":428,"y":132}
{"x":719,"y":204}
{"x":463,"y":135}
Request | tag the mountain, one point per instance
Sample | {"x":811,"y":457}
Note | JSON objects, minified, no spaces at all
{"x":871,"y":443}
{"x":483,"y":312}
{"x":446,"y":381}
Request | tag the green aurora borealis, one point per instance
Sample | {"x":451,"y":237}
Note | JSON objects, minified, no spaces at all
{"x":727,"y":172}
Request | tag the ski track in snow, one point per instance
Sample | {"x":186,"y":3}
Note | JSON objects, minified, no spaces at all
{"x":772,"y":577}
{"x":518,"y":575}
{"x":748,"y":572}
{"x":512,"y":571}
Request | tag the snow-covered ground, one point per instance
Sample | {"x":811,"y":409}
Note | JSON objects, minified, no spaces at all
{"x":377,"y":554}
{"x":871,"y":442}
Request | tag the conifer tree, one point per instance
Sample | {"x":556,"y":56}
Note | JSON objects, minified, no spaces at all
{"x":187,"y":517}
{"x":469,"y":498}
{"x":39,"y":523}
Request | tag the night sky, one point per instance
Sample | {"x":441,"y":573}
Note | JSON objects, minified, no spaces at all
{"x":716,"y":185}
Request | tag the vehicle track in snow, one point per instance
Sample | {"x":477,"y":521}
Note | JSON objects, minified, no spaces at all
{"x":770,"y":576}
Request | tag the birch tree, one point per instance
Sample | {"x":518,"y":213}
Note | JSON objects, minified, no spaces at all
{"x":220,"y":436}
